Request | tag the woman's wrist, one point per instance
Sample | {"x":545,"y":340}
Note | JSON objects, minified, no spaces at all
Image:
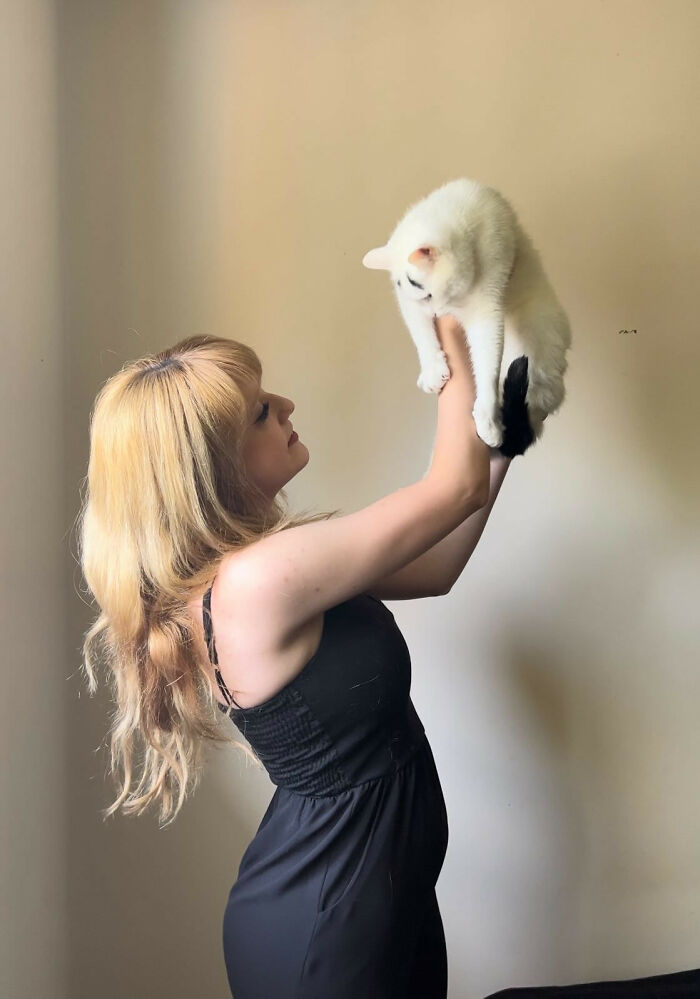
{"x":452,"y":337}
{"x":456,"y":350}
{"x":454,"y":344}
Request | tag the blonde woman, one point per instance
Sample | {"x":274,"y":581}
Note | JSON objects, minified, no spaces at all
{"x":213,"y":599}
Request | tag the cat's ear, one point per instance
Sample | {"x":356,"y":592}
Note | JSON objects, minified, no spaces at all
{"x":424,"y":257}
{"x":378,"y":259}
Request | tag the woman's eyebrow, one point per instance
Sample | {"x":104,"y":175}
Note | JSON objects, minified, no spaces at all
{"x":254,"y":396}
{"x":255,"y":407}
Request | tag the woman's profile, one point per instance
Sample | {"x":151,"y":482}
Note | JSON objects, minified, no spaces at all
{"x":214,"y":600}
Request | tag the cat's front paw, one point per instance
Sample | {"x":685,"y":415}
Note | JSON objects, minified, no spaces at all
{"x":489,"y":429}
{"x":434,"y":374}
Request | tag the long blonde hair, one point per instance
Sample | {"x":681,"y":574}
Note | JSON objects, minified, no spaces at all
{"x":167,"y":497}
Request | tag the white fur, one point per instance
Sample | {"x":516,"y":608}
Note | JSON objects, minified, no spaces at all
{"x":464,"y":244}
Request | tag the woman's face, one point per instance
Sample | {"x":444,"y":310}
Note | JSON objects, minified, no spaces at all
{"x":270,"y":460}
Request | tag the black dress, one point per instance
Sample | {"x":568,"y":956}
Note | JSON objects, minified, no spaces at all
{"x":335,"y":895}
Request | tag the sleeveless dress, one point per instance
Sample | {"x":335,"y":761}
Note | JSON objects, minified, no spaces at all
{"x":335,"y":895}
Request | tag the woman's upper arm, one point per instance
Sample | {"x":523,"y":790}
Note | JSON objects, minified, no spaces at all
{"x":287,"y":578}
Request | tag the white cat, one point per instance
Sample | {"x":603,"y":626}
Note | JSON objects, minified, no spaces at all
{"x":461,"y":250}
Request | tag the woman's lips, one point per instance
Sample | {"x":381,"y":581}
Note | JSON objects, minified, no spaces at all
{"x":293,"y":438}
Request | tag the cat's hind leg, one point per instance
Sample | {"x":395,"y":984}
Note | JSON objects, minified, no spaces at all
{"x":544,"y":336}
{"x":545,"y":395}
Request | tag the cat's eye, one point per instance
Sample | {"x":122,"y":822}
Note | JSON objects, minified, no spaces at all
{"x":263,"y":414}
{"x":414,"y":283}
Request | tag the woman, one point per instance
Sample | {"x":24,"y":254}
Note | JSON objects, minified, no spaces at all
{"x":212,"y":596}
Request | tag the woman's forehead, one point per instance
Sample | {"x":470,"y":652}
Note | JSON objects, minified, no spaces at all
{"x":252,"y":389}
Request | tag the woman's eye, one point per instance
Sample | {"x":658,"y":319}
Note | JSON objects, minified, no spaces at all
{"x":265,"y":408}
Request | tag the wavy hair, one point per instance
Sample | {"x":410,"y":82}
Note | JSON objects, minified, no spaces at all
{"x":167,"y":497}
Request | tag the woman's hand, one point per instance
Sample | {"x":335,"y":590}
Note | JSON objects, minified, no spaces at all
{"x":448,"y":328}
{"x":453,"y":341}
{"x":458,"y":451}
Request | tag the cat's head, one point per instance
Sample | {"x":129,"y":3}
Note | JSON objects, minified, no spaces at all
{"x":424,"y":273}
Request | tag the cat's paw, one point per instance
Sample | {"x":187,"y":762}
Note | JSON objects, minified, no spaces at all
{"x":489,"y":429}
{"x":434,"y":374}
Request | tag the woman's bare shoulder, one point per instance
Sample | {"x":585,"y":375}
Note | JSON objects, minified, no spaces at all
{"x":254,"y":661}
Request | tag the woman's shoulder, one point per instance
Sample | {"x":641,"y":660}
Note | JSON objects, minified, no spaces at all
{"x":253,"y":660}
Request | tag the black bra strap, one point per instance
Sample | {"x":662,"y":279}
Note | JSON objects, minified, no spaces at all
{"x":211,"y":646}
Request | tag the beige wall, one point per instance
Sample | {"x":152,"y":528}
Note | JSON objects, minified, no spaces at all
{"x":223,"y":167}
{"x":37,"y":595}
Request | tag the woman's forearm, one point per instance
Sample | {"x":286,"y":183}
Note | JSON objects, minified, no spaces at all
{"x":454,"y":551}
{"x":459,"y":456}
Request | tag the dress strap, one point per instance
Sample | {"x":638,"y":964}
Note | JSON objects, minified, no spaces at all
{"x":211,"y":646}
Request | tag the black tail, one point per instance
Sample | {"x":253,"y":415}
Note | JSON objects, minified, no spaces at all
{"x":517,"y":430}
